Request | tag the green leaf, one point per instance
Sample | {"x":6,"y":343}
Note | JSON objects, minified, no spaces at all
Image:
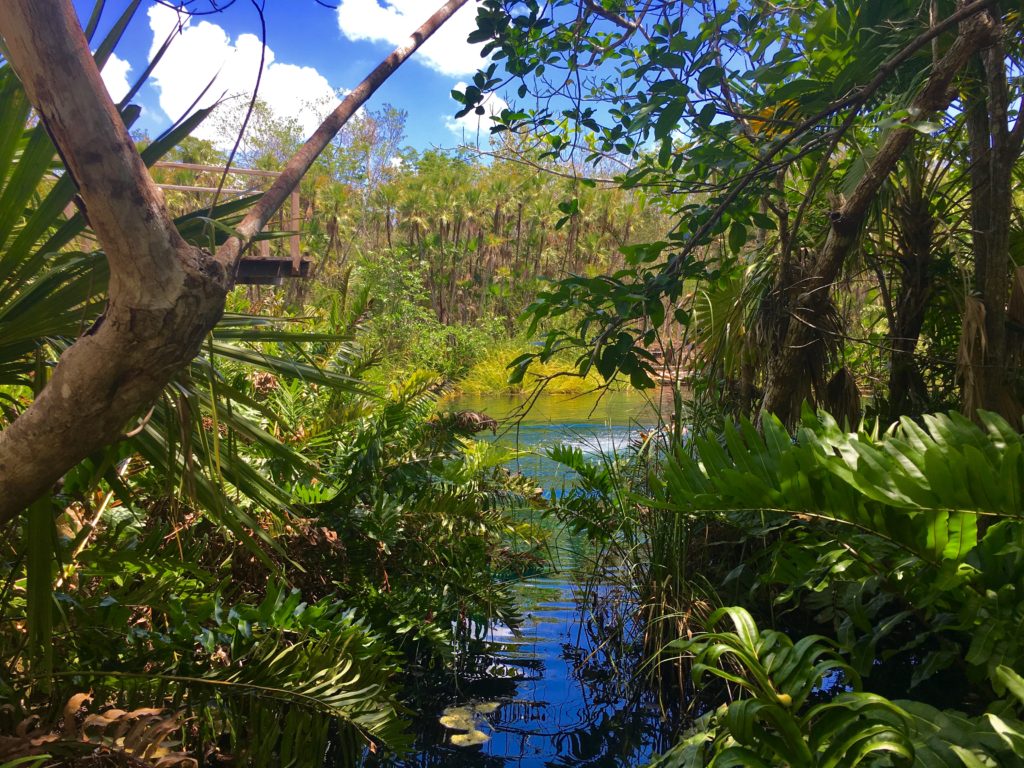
{"x":668,"y":120}
{"x":1006,"y":680}
{"x":737,"y":237}
{"x":40,"y":534}
{"x":709,"y":77}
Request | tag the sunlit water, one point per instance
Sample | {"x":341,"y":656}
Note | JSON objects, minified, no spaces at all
{"x":561,"y":692}
{"x":596,"y":424}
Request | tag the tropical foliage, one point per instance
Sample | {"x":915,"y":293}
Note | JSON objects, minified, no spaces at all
{"x":459,"y":241}
{"x":898,"y":550}
{"x":822,"y":165}
{"x":248,"y":569}
{"x":774,"y":209}
{"x":779,"y":725}
{"x":840,"y":179}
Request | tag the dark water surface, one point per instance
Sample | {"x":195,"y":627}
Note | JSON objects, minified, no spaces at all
{"x":562,"y":692}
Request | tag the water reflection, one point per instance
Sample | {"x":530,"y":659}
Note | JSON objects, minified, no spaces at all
{"x":567,"y":685}
{"x":597,"y":424}
{"x":566,"y":698}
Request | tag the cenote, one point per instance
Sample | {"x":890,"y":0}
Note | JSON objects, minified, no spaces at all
{"x":565,"y":690}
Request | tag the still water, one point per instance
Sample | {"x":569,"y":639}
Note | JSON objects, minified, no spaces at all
{"x":594,"y":423}
{"x":562,"y":692}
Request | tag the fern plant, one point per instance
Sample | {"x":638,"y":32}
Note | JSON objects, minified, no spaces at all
{"x":909,"y":544}
{"x":787,"y":713}
{"x":277,"y":682}
{"x":774,"y":721}
{"x":917,"y":526}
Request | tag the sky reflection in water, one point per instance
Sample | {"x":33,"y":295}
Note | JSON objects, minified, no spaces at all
{"x":564,"y":698}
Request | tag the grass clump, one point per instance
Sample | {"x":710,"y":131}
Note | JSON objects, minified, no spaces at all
{"x":490,"y":374}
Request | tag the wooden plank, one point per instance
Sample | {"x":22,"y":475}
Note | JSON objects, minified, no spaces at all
{"x":296,"y":227}
{"x":189,"y":188}
{"x":261,"y":270}
{"x":216,"y":169}
{"x":268,"y":271}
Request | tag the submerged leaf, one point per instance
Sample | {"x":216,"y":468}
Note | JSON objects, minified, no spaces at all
{"x":459,"y":719}
{"x":471,"y":739}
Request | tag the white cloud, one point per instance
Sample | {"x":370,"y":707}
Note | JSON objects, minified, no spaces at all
{"x":472,"y":125}
{"x":115,"y":77}
{"x":446,"y":51}
{"x":203,"y":52}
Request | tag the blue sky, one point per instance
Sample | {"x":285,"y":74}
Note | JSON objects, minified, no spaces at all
{"x":313,"y":52}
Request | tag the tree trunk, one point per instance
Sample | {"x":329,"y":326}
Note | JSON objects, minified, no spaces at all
{"x":993,"y":151}
{"x":786,"y":371}
{"x":915,"y":225}
{"x":164,"y":294}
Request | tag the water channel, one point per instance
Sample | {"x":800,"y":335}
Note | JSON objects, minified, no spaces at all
{"x":556,"y":694}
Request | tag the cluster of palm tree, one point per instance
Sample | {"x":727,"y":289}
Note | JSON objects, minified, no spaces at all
{"x":488,"y":233}
{"x":480,"y":229}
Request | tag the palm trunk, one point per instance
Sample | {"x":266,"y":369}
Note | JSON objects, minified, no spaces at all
{"x":786,"y":369}
{"x":992,"y":155}
{"x":907,"y":390}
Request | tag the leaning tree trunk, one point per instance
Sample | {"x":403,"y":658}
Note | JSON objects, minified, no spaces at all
{"x":164,"y":294}
{"x":785,"y":368}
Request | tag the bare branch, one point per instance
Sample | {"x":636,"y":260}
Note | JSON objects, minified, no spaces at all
{"x":230,"y":252}
{"x":611,"y":16}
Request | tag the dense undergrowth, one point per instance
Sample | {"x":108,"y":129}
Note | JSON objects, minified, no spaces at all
{"x":817,"y":591}
{"x":176,"y":591}
{"x":884,"y":569}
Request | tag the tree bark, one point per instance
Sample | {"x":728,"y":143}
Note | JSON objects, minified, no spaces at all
{"x":785,"y":369}
{"x":915,"y":227}
{"x":993,"y":152}
{"x":164,"y":294}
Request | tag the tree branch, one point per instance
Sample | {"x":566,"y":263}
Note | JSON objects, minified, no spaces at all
{"x":164,"y":295}
{"x":614,"y":18}
{"x":854,"y":100}
{"x":230,"y":252}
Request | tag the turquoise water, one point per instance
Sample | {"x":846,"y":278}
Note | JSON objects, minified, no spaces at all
{"x":596,"y":424}
{"x":563,"y":691}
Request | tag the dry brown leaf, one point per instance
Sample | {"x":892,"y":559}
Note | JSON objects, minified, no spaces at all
{"x":135,"y":741}
{"x":70,"y":729}
{"x":177,"y":761}
{"x":22,"y":728}
{"x":155,"y":736}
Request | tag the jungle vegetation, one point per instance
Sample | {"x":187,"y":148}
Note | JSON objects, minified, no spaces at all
{"x":844,"y":183}
{"x":237,"y":542}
